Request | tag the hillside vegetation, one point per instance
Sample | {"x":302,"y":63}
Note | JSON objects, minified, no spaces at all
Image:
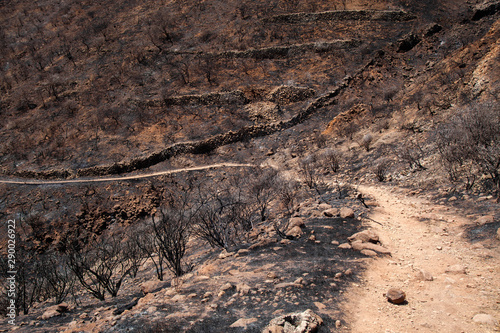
{"x":207,"y":166}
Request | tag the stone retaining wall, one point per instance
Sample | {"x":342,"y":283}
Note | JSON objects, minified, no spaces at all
{"x":342,"y":15}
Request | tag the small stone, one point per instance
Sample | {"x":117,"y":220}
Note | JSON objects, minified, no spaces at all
{"x":359,"y":246}
{"x":439,"y":248}
{"x":312,"y":238}
{"x":424,"y":276}
{"x":153,"y":286}
{"x":395,"y":296}
{"x":243,"y":252}
{"x":348,"y":272}
{"x":224,"y":254}
{"x":62,"y":307}
{"x":332,"y":212}
{"x":51,"y":313}
{"x":320,"y":305}
{"x":346,"y":212}
{"x":345,"y":246}
{"x":456,"y":269}
{"x":243,"y":289}
{"x":498,"y":233}
{"x":296,"y":222}
{"x":286,"y":285}
{"x":483,"y":318}
{"x":485,"y":219}
{"x":226,"y":287}
{"x":338,"y":275}
{"x":334,"y":242}
{"x":338,"y":324}
{"x":300,"y":280}
{"x":324,"y":206}
{"x":368,"y":253}
{"x":365,"y":236}
{"x":295,"y":232}
{"x":285,"y":241}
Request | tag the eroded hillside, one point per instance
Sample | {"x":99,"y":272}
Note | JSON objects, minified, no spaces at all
{"x":215,"y":161}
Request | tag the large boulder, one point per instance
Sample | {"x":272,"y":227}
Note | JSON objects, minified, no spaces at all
{"x":298,"y":322}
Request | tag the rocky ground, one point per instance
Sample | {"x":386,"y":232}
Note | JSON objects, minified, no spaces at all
{"x":444,"y":259}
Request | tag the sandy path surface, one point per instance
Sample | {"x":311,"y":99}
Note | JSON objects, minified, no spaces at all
{"x":429,"y":237}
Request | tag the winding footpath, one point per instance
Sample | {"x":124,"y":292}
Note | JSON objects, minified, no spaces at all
{"x":132,"y":177}
{"x":424,"y":236}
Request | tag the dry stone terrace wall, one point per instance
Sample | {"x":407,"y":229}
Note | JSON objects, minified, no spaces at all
{"x":276,"y":52}
{"x":342,"y":15}
{"x":198,"y":147}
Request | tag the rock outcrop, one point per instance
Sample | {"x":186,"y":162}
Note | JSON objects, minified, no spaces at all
{"x":298,"y":322}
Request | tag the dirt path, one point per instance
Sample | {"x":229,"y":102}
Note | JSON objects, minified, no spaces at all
{"x":425,"y":236}
{"x":113,"y":179}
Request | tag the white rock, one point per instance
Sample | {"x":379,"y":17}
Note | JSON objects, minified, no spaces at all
{"x":483,"y":318}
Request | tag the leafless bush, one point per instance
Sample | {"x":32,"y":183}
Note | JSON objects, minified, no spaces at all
{"x":172,"y":228}
{"x":381,"y":168}
{"x":366,"y":141}
{"x":220,"y":220}
{"x":320,"y":140}
{"x":29,"y":284}
{"x":225,"y":214}
{"x":262,"y":190}
{"x":40,"y":274}
{"x":58,"y":279}
{"x":145,"y":240}
{"x":331,"y":159}
{"x":469,"y":144}
{"x":100,"y":263}
{"x":349,"y":130}
{"x":309,"y":170}
{"x":287,"y":194}
{"x":411,"y":152}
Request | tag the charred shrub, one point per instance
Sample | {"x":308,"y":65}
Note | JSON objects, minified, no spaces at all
{"x":469,"y":144}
